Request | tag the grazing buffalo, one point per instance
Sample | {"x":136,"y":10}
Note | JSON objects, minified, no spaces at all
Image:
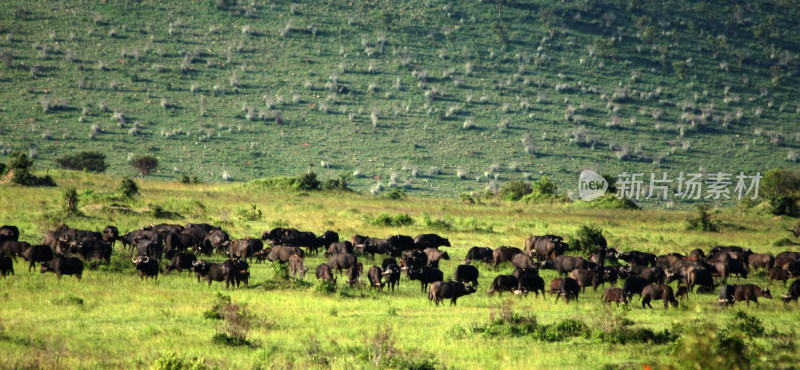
{"x":426,"y":275}
{"x":324,"y":273}
{"x":93,"y":249}
{"x":239,"y":269}
{"x":779,"y":274}
{"x":503,"y":283}
{"x":353,"y":274}
{"x":37,"y":254}
{"x":440,"y":291}
{"x":230,"y":271}
{"x":467,"y":274}
{"x":326,"y":239}
{"x":9,"y":232}
{"x":658,"y":291}
{"x":6,"y":266}
{"x":586,"y":278}
{"x":682,"y":292}
{"x":529,"y":282}
{"x":147,"y":267}
{"x":13,"y":248}
{"x":504,"y":254}
{"x":614,"y":294}
{"x":111,"y":234}
{"x":727,"y":294}
{"x":180,"y":262}
{"x":282,"y":253}
{"x":399,"y":244}
{"x":697,"y":254}
{"x":480,"y":254}
{"x":569,"y":289}
{"x":793,"y":293}
{"x":392,"y":275}
{"x":245,"y":248}
{"x":566,"y":264}
{"x":545,"y":247}
{"x":424,"y":241}
{"x":261,"y":255}
{"x":345,"y":247}
{"x":340,"y":262}
{"x":634,"y":285}
{"x":654,"y":275}
{"x":555,"y":285}
{"x":523,"y":261}
{"x":373,"y":246}
{"x":783,"y":259}
{"x":415,"y":260}
{"x":51,"y":240}
{"x":638,"y":258}
{"x":64,"y":266}
{"x":375,"y":275}
{"x":750,"y":292}
{"x":434,"y":255}
{"x":760,"y":260}
{"x":388,"y":261}
{"x":216,"y":240}
{"x":296,"y":266}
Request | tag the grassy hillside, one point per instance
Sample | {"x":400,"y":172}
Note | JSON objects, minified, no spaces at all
{"x":433,"y":96}
{"x":112,"y":319}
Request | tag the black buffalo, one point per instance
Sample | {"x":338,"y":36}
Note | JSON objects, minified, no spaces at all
{"x":6,"y":266}
{"x":750,"y":292}
{"x":638,"y":258}
{"x":375,"y":275}
{"x":180,"y":262}
{"x":282,"y":253}
{"x":614,"y":294}
{"x":656,"y":292}
{"x":345,"y":247}
{"x":399,"y":244}
{"x":529,"y":281}
{"x":340,"y":262}
{"x":245,"y":248}
{"x":569,"y":289}
{"x":37,"y":254}
{"x":503,"y":283}
{"x":147,"y":267}
{"x":565,"y":264}
{"x":392,"y":275}
{"x":794,"y":292}
{"x":423,"y":241}
{"x":111,"y":234}
{"x":388,"y":261}
{"x":634,"y":285}
{"x":426,"y":275}
{"x":727,"y":294}
{"x":64,"y":266}
{"x":13,"y":248}
{"x":9,"y":232}
{"x":440,"y":291}
{"x":504,"y":254}
{"x":545,"y":247}
{"x":324,"y":273}
{"x":480,"y":254}
{"x":467,"y":274}
{"x":92,"y":249}
{"x":434,"y":255}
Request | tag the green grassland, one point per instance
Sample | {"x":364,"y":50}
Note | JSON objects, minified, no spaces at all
{"x":425,"y":95}
{"x":112,"y":319}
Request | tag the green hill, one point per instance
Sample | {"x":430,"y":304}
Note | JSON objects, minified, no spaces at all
{"x":436,"y":97}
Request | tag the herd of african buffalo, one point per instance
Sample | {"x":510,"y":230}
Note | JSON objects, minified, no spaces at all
{"x":163,"y":248}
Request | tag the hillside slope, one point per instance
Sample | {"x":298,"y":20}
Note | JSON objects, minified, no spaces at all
{"x":438,"y":97}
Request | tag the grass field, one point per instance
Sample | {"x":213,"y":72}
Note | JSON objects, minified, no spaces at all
{"x":434,"y":97}
{"x":112,"y":319}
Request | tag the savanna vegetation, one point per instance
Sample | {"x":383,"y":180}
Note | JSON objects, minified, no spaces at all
{"x":111,"y":318}
{"x":434,"y":97}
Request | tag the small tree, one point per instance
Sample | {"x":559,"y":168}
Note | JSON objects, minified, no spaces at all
{"x":70,"y":200}
{"x":307,"y":181}
{"x":514,"y":190}
{"x":128,"y":188}
{"x":84,"y":161}
{"x":145,"y":164}
{"x":778,"y":182}
{"x":588,"y":240}
{"x":704,"y":220}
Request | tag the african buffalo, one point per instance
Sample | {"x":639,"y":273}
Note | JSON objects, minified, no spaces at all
{"x":529,"y":282}
{"x":480,"y":254}
{"x":726,"y":294}
{"x":504,"y":254}
{"x":555,"y":285}
{"x":345,"y":247}
{"x":216,"y":240}
{"x":634,"y":285}
{"x":392,"y":275}
{"x":9,"y":232}
{"x":466,"y":274}
{"x":565,"y":264}
{"x":326,"y":239}
{"x":434,"y":255}
{"x":523,"y":261}
{"x":793,"y":293}
{"x":244,"y":248}
{"x":36,"y":254}
{"x":13,"y":248}
{"x":545,"y":247}
{"x":282,"y":253}
{"x":6,"y":266}
{"x":296,"y":266}
{"x":569,"y":289}
{"x":373,"y":246}
{"x":440,"y":291}
{"x":180,"y":262}
{"x":399,"y":244}
{"x":375,"y":275}
{"x":148,"y":248}
{"x":340,"y":262}
{"x":779,"y":274}
{"x":147,"y":267}
{"x":654,"y":275}
{"x":614,"y":294}
{"x":424,"y":241}
{"x":324,"y":272}
{"x":503,"y":283}
{"x":388,"y":261}
{"x":638,"y":258}
{"x":750,"y":292}
{"x":586,"y":278}
{"x":658,"y":291}
{"x":64,"y":266}
{"x":760,"y":260}
{"x":353,"y":274}
{"x":682,"y":292}
{"x":93,"y":249}
{"x":426,"y":275}
{"x":111,"y":234}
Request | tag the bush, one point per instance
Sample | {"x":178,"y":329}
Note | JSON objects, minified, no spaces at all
{"x":337,"y":183}
{"x":285,"y":183}
{"x":128,"y":188}
{"x":544,"y":190}
{"x":171,"y":361}
{"x":395,"y":194}
{"x":437,"y":224}
{"x":307,"y":182}
{"x":21,"y":165}
{"x":144,"y":164}
{"x":236,"y":327}
{"x":608,"y":201}
{"x":777,"y":183}
{"x":514,"y":190}
{"x":385,"y":219}
{"x":587,"y":240}
{"x":704,"y":220}
{"x":785,"y":205}
{"x":70,"y":197}
{"x":84,"y":161}
{"x":185,"y":179}
{"x":249,"y":214}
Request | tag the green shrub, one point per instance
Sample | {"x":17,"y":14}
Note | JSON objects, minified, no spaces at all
{"x":128,"y":188}
{"x":587,"y":240}
{"x":336,"y":183}
{"x":325,"y":286}
{"x":280,"y":271}
{"x":284,"y":183}
{"x":777,"y":183}
{"x":544,"y":191}
{"x":608,"y":201}
{"x":171,"y":361}
{"x":394,"y":193}
{"x":84,"y":161}
{"x":185,"y":179}
{"x":145,"y":164}
{"x":437,"y":224}
{"x":249,"y":213}
{"x":21,"y":166}
{"x":514,"y":190}
{"x":70,"y":197}
{"x":385,"y":219}
{"x":785,"y":205}
{"x":704,"y":221}
{"x":307,"y":182}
